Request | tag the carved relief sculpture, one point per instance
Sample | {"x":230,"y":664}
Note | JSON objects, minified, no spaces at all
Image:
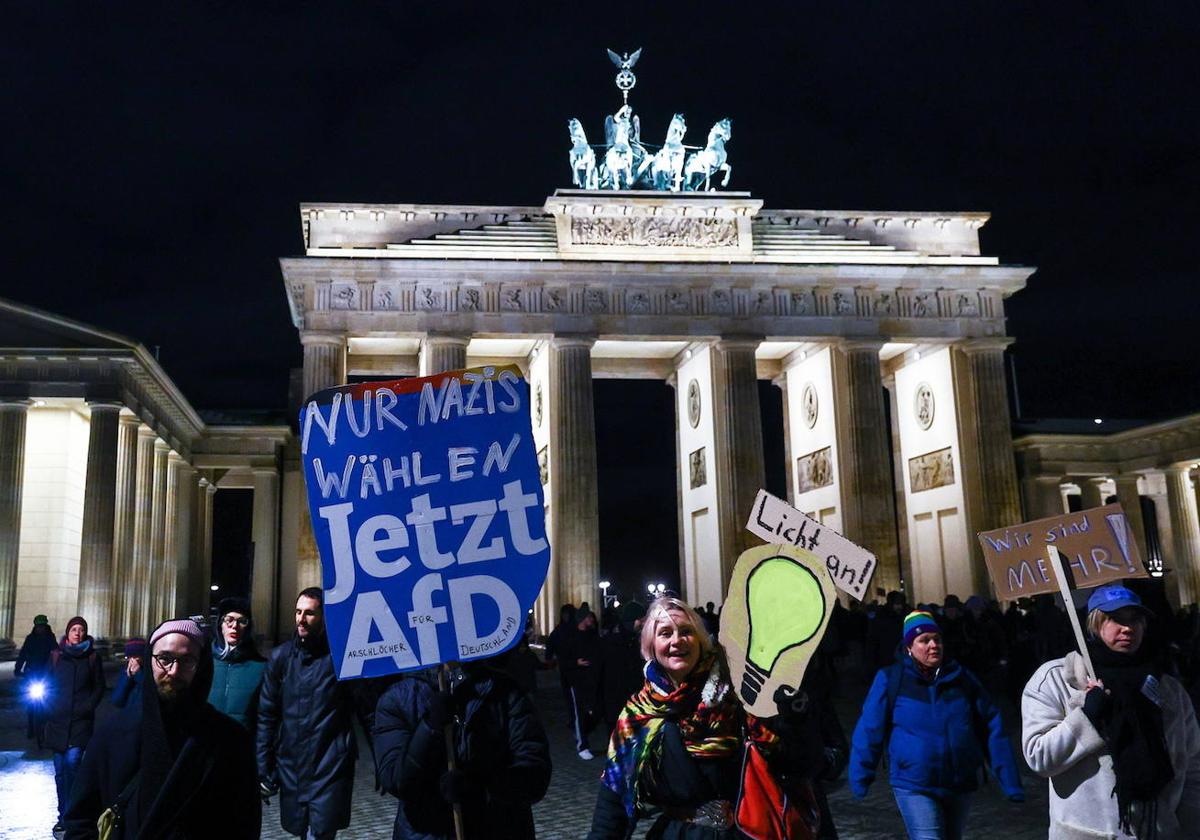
{"x":652,"y":232}
{"x":595,"y":301}
{"x":923,"y":405}
{"x":469,"y":301}
{"x":933,"y":469}
{"x":815,"y":470}
{"x":808,"y":402}
{"x":842,"y":304}
{"x":697,"y":471}
{"x":693,"y":403}
{"x":510,"y":300}
{"x":543,"y":458}
{"x":677,"y":302}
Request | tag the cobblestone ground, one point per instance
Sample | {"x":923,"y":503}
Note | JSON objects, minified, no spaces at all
{"x":27,"y":798}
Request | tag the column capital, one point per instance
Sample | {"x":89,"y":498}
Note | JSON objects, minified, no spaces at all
{"x":1056,"y":480}
{"x":738,"y":342}
{"x":161,"y":445}
{"x":1120,"y":478}
{"x":456,"y":339}
{"x":105,"y":405}
{"x":273,"y":472}
{"x":561,"y":341}
{"x":15,"y":403}
{"x":991,"y":344}
{"x":331,"y":339}
{"x":129,"y":419}
{"x":873,"y":345}
{"x":211,"y":489}
{"x":202,"y":482}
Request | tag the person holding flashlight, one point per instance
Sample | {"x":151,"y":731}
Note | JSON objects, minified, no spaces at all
{"x":32,"y":664}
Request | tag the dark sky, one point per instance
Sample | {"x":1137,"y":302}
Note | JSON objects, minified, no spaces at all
{"x":152,"y":162}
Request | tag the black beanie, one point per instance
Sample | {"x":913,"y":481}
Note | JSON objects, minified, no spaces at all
{"x":235,"y":604}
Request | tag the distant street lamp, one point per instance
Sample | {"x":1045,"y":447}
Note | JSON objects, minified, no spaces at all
{"x":604,"y":585}
{"x":214,"y":587}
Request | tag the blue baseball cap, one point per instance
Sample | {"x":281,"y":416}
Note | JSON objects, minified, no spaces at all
{"x":1111,"y":598}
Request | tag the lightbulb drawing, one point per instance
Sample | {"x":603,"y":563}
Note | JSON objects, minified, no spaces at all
{"x":786,"y":606}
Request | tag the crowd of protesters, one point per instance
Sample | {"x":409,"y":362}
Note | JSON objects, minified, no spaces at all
{"x":207,"y":730}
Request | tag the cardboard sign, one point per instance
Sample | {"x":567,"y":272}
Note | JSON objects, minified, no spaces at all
{"x":1097,"y":546}
{"x":779,"y":602}
{"x":776,"y":522}
{"x":429,"y":517}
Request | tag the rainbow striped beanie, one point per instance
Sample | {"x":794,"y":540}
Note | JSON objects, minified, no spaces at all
{"x":918,"y":622}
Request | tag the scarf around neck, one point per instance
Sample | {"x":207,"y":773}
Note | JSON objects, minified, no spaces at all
{"x":706,"y":711}
{"x":1133,"y":731}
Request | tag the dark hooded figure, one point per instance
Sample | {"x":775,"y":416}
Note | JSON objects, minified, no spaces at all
{"x":237,"y":664}
{"x":172,"y":767}
{"x":501,"y":752}
{"x":32,"y":663}
{"x":75,"y":688}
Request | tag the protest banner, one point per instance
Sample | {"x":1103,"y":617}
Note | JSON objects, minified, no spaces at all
{"x":778,"y":605}
{"x":1097,"y":545}
{"x":778,"y":523}
{"x":429,"y":517}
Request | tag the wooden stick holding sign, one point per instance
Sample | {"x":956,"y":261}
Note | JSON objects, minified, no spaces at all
{"x":460,"y":832}
{"x":1097,"y":545}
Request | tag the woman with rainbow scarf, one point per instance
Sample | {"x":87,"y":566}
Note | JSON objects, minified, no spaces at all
{"x":684,"y":751}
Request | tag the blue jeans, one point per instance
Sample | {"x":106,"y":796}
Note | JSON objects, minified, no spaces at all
{"x":65,"y":766}
{"x":933,"y":817}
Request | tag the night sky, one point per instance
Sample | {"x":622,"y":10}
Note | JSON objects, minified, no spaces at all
{"x":152,"y":163}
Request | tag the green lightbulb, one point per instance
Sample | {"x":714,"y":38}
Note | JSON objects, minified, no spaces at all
{"x":786,"y":606}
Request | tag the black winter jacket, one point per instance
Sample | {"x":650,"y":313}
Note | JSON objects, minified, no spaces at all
{"x":500,"y":744}
{"x":34,"y":657}
{"x":306,"y":744}
{"x":215,"y":793}
{"x":76,"y":689}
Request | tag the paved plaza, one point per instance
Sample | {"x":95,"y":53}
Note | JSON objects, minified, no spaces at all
{"x":27,"y":788}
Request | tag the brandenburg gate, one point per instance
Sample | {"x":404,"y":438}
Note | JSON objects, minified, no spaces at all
{"x":847,"y":312}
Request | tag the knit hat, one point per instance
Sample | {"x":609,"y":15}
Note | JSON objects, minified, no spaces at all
{"x":135,"y":647}
{"x":76,"y":620}
{"x":975,"y":603}
{"x":235,"y":604}
{"x":183,"y":626}
{"x":916,"y":623}
{"x":40,"y":619}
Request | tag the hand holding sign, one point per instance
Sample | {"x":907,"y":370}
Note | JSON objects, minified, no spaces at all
{"x":428,"y":513}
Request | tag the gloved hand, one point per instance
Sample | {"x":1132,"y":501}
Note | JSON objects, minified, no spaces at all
{"x":836,"y":760}
{"x":457,"y":787}
{"x":1096,"y":705}
{"x":441,"y":709}
{"x":267,"y":789}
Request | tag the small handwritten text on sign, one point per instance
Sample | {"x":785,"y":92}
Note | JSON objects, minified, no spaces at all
{"x":778,"y":523}
{"x":428,"y":514}
{"x":1097,"y":545}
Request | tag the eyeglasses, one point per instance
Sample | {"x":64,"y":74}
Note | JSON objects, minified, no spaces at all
{"x":230,"y":621}
{"x":167,"y":660}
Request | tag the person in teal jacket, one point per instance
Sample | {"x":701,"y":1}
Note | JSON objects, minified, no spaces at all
{"x":237,"y":664}
{"x":939,"y":728}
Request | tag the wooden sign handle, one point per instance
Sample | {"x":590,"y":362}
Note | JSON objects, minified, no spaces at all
{"x":1072,"y":614}
{"x":444,"y":686}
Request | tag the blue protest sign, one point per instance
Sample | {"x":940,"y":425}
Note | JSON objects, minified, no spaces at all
{"x":428,"y":514}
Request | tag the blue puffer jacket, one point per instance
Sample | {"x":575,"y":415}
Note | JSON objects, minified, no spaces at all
{"x":936,"y":740}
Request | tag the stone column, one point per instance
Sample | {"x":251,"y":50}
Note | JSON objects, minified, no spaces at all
{"x":673,"y":381}
{"x":575,"y":517}
{"x":864,"y":469}
{"x":171,"y":533}
{"x":991,"y":492}
{"x":158,"y":535}
{"x":265,"y":534}
{"x":737,"y":444}
{"x":202,"y":545}
{"x":1046,"y":499}
{"x":185,"y":600}
{"x":324,"y":367}
{"x":442,"y":352}
{"x":324,"y":361}
{"x":13,"y":413}
{"x":899,"y":477}
{"x":99,"y":517}
{"x":1092,"y":489}
{"x":1185,"y":529}
{"x":137,"y":611}
{"x":1131,"y":503}
{"x":123,"y":525}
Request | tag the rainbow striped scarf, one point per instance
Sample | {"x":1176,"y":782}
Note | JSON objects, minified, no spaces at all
{"x":708,"y":715}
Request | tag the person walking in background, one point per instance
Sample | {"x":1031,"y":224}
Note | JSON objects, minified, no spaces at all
{"x":1122,"y":751}
{"x":171,"y":765}
{"x":129,"y":683}
{"x":33,"y":661}
{"x":75,"y":688}
{"x":554,"y":647}
{"x":885,"y":632}
{"x":237,"y":664}
{"x":580,"y":655}
{"x":502,"y":757}
{"x":619,"y":670}
{"x":306,"y":745}
{"x":939,"y":727}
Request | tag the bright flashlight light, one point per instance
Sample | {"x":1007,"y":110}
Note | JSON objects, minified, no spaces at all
{"x":37,"y":690}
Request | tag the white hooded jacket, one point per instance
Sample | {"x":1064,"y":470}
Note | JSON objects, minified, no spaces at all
{"x":1060,"y":743}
